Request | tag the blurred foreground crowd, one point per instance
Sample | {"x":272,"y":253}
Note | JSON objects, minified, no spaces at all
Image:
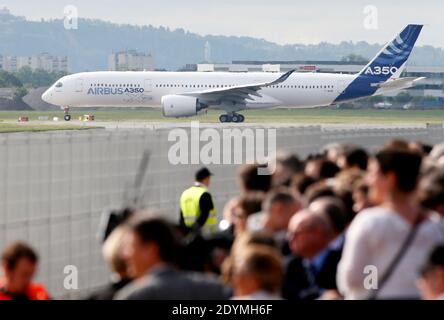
{"x":341,"y":224}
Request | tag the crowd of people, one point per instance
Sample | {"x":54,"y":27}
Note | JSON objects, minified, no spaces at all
{"x":341,"y":224}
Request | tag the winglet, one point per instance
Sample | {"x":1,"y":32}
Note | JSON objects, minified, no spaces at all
{"x":282,"y":78}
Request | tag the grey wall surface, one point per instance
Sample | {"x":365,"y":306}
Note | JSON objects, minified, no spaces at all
{"x":55,"y":186}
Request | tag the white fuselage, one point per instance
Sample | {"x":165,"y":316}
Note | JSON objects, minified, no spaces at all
{"x":140,"y":89}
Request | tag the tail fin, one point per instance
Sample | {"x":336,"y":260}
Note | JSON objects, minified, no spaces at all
{"x":391,"y":60}
{"x":387,"y":65}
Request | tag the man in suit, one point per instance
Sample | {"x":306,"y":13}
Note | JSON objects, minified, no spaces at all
{"x":151,"y":252}
{"x":309,"y":234}
{"x":326,"y":262}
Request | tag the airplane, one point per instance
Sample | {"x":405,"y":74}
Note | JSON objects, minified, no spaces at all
{"x":186,"y":94}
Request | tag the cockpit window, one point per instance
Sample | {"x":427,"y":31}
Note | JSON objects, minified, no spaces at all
{"x":59,"y":85}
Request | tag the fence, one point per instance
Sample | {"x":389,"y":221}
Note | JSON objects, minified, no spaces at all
{"x":54,"y":186}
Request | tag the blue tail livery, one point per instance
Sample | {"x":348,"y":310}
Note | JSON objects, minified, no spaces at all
{"x":387,"y":65}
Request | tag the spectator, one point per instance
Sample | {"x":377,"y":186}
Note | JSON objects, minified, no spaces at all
{"x":313,"y":165}
{"x":318,"y":190}
{"x":327,"y":260}
{"x":431,"y":282}
{"x":301,"y":183}
{"x":421,"y":148}
{"x":249,"y":204}
{"x":349,"y":179}
{"x":309,"y":234}
{"x":242,"y":242}
{"x":151,"y":254}
{"x":328,"y":169}
{"x":333,"y":152}
{"x":220,"y":245}
{"x":334,"y":210}
{"x":257,"y":274}
{"x":437,"y":154}
{"x":360,"y":197}
{"x":250,"y":178}
{"x":287,"y":165}
{"x":278,"y":208}
{"x":397,"y":144}
{"x":354,"y":158}
{"x":113,"y":253}
{"x":346,"y":197}
{"x":19,"y":262}
{"x":431,"y":191}
{"x":376,"y":235}
{"x":228,"y":213}
{"x":350,"y":186}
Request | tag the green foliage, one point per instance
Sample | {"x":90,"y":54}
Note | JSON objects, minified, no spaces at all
{"x":37,"y":78}
{"x":19,"y":94}
{"x":8,"y":80}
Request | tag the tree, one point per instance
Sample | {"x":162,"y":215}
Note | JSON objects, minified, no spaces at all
{"x":19,"y":94}
{"x":37,"y":78}
{"x":8,"y":80}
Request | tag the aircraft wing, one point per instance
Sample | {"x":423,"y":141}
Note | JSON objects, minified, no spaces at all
{"x":236,"y":94}
{"x":398,"y":84}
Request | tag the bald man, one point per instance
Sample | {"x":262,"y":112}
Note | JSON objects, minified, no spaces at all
{"x":327,"y":261}
{"x":309,"y":233}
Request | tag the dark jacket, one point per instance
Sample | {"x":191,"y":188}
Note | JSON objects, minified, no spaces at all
{"x":109,"y":291}
{"x":167,"y":283}
{"x":299,"y":282}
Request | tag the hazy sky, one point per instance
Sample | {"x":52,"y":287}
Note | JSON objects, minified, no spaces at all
{"x":281,"y":21}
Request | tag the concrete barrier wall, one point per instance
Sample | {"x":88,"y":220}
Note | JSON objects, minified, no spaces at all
{"x":55,"y":186}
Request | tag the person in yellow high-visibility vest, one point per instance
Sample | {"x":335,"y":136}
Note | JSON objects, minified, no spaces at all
{"x":197,"y":210}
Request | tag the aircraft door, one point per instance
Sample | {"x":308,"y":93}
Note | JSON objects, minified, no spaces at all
{"x":148,"y":86}
{"x":79,"y":85}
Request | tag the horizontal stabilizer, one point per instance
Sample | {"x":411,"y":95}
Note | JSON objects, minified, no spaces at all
{"x":398,"y":84}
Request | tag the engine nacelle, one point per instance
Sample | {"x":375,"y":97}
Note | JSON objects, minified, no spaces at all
{"x":176,"y":106}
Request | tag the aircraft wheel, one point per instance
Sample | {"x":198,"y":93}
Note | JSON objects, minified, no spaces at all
{"x":224,"y":118}
{"x":236,"y":118}
{"x":242,"y":118}
{"x":67,"y":117}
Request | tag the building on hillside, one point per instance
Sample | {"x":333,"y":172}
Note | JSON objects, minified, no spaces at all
{"x":130,"y":60}
{"x":44,"y":61}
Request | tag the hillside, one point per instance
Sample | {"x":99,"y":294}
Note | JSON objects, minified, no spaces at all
{"x":89,"y":46}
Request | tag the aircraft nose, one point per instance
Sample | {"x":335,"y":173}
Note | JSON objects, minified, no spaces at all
{"x":47,"y":96}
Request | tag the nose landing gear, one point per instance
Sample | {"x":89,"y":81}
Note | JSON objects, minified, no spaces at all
{"x":235,"y":117}
{"x":67,"y":116}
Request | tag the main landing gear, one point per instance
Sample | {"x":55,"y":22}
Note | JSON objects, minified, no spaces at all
{"x":235,"y":117}
{"x":67,"y":116}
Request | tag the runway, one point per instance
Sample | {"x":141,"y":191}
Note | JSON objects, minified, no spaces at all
{"x":155,"y":125}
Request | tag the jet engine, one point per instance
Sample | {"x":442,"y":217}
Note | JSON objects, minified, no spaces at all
{"x":176,"y":106}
